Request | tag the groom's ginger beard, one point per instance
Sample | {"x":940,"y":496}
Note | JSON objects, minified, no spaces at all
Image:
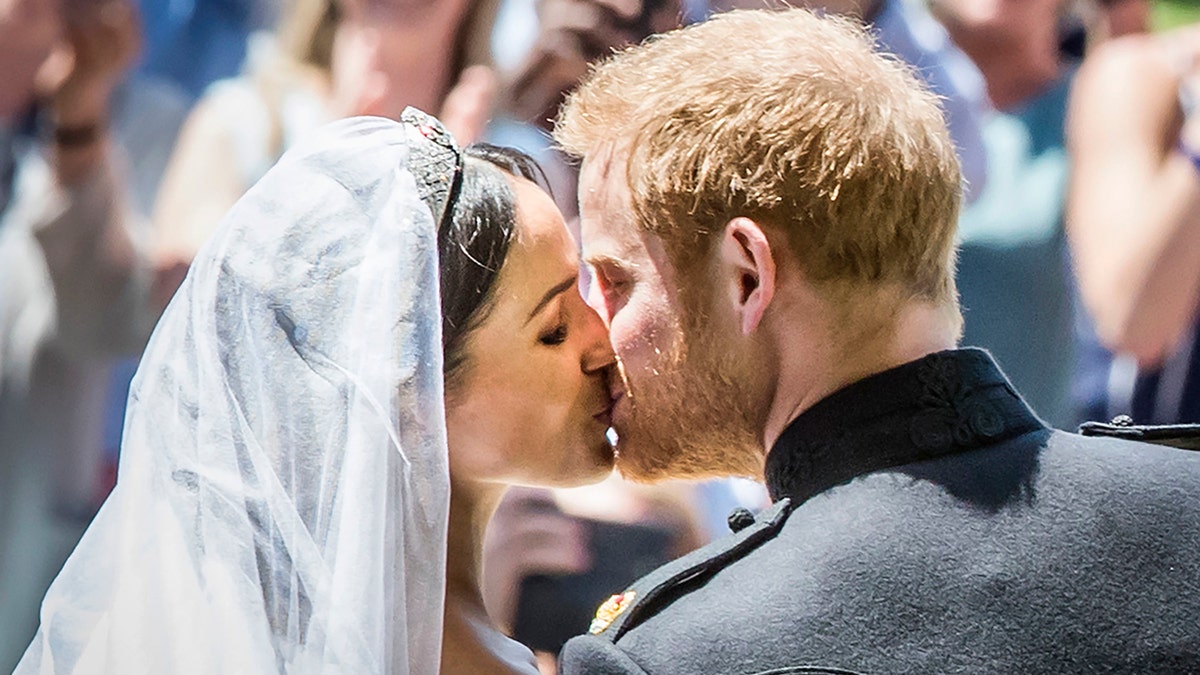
{"x":691,"y":412}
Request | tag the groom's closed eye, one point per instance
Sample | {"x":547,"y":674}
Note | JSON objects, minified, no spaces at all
{"x":614,"y":284}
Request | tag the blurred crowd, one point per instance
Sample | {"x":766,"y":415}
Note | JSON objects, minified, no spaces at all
{"x":127,"y":130}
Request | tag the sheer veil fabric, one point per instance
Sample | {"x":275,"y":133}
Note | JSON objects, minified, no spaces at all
{"x":282,"y":500}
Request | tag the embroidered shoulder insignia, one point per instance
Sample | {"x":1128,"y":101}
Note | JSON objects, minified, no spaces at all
{"x":610,"y":610}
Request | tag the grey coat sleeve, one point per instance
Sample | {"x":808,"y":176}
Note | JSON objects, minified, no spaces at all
{"x":594,"y":655}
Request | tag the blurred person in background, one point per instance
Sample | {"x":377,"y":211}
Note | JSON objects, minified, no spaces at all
{"x":1013,"y":270}
{"x":331,"y":59}
{"x":187,"y":45}
{"x":194,"y":43}
{"x":571,"y":35}
{"x":81,"y":149}
{"x":552,"y":556}
{"x":567,"y":36}
{"x":1087,"y":23}
{"x":1134,"y":221}
{"x":1115,"y":18}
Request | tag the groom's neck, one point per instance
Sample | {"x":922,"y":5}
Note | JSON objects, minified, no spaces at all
{"x":841,"y":354}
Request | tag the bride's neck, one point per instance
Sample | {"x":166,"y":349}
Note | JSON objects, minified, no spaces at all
{"x":471,"y":507}
{"x":471,"y":643}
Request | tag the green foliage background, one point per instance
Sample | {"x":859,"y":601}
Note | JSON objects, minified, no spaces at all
{"x":1171,"y":13}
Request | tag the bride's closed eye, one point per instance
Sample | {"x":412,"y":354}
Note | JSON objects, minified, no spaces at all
{"x":555,"y":299}
{"x":556,"y":335}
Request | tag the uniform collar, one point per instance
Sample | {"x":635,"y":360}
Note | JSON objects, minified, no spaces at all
{"x":945,"y":403}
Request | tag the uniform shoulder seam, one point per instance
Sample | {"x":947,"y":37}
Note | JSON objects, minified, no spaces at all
{"x":659,"y":585}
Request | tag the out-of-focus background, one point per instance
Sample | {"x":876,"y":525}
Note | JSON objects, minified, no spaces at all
{"x":128,"y":127}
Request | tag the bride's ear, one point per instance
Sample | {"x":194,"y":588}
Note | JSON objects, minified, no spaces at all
{"x":747,"y":269}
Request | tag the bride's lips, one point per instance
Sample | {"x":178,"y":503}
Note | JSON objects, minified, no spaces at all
{"x":605,"y":416}
{"x":614,"y":380}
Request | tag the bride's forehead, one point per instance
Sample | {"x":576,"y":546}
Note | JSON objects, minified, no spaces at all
{"x":539,"y":222}
{"x":543,"y":253}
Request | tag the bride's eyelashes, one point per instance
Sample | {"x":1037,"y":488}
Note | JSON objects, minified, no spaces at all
{"x":556,"y":336}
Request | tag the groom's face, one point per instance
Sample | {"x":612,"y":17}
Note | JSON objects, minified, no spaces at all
{"x":680,"y":411}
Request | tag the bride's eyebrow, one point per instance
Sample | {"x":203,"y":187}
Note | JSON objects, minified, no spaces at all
{"x":550,"y":295}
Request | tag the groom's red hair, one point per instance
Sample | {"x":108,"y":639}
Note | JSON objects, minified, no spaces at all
{"x":791,"y":120}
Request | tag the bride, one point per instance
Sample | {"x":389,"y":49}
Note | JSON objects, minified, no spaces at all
{"x":383,"y":334}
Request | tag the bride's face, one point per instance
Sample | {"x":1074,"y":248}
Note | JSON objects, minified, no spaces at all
{"x":533,"y":406}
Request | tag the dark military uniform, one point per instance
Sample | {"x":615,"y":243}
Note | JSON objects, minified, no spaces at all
{"x":925,"y":521}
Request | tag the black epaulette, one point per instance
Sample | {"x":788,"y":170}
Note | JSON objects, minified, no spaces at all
{"x":1185,"y":436}
{"x":654,"y":591}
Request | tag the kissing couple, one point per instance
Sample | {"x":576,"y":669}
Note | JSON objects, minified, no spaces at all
{"x":387,"y":331}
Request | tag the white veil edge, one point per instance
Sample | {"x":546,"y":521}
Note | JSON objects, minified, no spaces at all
{"x":283,"y":493}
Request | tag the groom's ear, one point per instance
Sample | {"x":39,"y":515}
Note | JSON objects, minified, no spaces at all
{"x":748,"y":271}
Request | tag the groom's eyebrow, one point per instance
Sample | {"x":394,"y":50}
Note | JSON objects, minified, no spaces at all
{"x":550,"y":295}
{"x":605,"y":260}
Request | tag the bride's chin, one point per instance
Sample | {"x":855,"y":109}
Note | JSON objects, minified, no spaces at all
{"x":608,"y":457}
{"x":594,"y":466}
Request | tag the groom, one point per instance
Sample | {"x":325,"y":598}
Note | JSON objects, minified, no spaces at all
{"x":769,"y":209}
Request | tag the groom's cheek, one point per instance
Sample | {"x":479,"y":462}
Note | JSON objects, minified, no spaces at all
{"x":640,"y":333}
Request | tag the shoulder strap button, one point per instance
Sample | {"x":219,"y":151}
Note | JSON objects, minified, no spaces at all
{"x":739,"y":519}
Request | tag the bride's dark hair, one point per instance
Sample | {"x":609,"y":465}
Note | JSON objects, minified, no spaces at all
{"x":474,"y":242}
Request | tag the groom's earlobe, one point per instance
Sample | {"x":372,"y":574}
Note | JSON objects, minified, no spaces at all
{"x":750,"y":269}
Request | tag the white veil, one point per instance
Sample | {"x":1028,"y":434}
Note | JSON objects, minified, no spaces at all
{"x":283,"y":490}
